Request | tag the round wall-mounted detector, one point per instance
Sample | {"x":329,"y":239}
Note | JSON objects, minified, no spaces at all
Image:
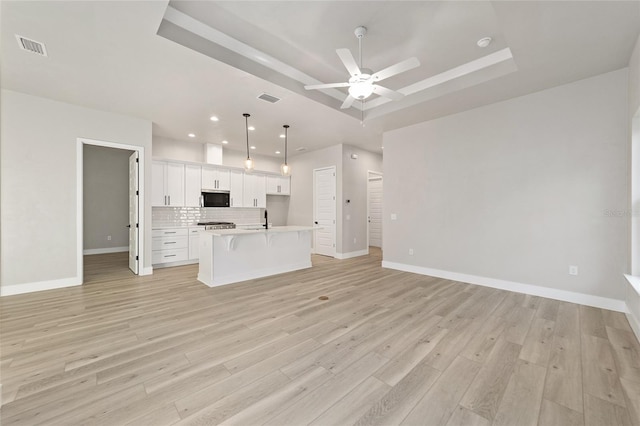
{"x":484,"y":42}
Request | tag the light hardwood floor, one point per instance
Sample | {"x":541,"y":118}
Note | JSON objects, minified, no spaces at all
{"x":387,"y":347}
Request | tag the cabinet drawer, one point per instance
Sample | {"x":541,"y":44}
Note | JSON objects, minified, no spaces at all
{"x":196,"y":231}
{"x":170,"y":243}
{"x":165,"y":256}
{"x":177,"y":232}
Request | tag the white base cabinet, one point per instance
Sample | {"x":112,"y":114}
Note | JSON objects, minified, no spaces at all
{"x":169,"y":245}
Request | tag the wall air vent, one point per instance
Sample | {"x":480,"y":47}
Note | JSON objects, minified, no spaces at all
{"x":268,"y":98}
{"x":31,"y":45}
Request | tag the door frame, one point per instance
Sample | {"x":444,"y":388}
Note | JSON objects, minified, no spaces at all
{"x":371,"y":174}
{"x":335,"y":213}
{"x":80,"y":200}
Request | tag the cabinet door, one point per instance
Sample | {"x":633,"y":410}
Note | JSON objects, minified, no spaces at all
{"x":192,"y":185}
{"x":175,"y":184}
{"x":249,"y":197}
{"x":285,"y":185}
{"x":224,"y":182}
{"x":209,"y":177}
{"x":236,"y":189}
{"x":157,"y":184}
{"x":273,"y":183}
{"x":260,"y":190}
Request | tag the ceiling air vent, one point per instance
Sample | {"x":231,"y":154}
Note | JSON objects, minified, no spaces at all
{"x":268,"y":98}
{"x":31,"y":45}
{"x":302,"y":148}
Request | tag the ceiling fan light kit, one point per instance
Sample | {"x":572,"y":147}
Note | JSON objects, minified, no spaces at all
{"x":362,"y":82}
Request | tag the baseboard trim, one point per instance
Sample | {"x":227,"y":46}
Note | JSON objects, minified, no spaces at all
{"x":88,"y":252}
{"x":633,"y":298}
{"x":11,"y":290}
{"x":351,"y":254}
{"x":146,"y":271}
{"x":550,"y":293}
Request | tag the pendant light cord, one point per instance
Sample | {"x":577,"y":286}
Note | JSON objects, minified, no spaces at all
{"x":246,"y":126}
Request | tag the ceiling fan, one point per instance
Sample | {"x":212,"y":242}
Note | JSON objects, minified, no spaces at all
{"x":363,"y":81}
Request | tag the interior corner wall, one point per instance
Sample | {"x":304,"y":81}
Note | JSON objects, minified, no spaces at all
{"x":301,"y":202}
{"x":354,"y":189}
{"x":39,"y":186}
{"x":516,"y":191}
{"x":105,"y":197}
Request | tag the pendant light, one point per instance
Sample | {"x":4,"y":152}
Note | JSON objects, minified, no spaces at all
{"x":285,"y":169}
{"x":248,"y":163}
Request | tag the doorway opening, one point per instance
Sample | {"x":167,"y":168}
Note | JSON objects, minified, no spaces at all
{"x":110,"y":210}
{"x":374,"y":209}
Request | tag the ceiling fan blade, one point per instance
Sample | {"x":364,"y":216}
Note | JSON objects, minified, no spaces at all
{"x":347,"y":59}
{"x":325,"y":86}
{"x":347,"y":102}
{"x":387,"y":93}
{"x":403,"y":66}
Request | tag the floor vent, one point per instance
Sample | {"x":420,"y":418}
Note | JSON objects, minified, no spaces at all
{"x":31,"y":45}
{"x":268,"y":98}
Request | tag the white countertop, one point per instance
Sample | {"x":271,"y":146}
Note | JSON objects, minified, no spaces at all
{"x":275,"y":229}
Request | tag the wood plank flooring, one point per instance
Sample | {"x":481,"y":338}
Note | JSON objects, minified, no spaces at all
{"x":386,"y":348}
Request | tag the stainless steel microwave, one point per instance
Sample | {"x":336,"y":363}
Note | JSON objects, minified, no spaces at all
{"x":215,"y":199}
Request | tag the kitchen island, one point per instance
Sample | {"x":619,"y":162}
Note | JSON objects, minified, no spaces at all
{"x":231,"y":255}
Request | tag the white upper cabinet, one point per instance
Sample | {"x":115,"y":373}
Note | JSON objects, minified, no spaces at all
{"x":167,"y":180}
{"x":236,"y":180}
{"x":213,"y":178}
{"x":278,"y":185}
{"x":255,"y":191}
{"x":192,"y":185}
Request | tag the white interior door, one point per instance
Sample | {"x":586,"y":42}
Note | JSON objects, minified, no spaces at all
{"x":324,"y":214}
{"x":375,"y":210}
{"x":133,"y":212}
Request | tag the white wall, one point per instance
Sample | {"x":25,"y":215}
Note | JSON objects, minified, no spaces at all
{"x":301,"y":202}
{"x":194,"y":151}
{"x":517,"y":191}
{"x":354,"y":188}
{"x":105,"y":197}
{"x":39,"y":186}
{"x":632,"y":298}
{"x":351,"y":184}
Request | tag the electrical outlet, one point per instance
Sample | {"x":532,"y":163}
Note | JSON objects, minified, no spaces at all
{"x":354,"y":240}
{"x":410,"y":252}
{"x":573,"y":270}
{"x":348,"y":217}
{"x":108,"y":237}
{"x":394,"y":216}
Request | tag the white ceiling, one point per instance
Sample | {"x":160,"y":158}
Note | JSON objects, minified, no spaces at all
{"x":123,"y":57}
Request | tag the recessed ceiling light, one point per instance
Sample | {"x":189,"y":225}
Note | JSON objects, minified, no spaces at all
{"x":192,"y":135}
{"x":253,"y":147}
{"x":282,"y":136}
{"x":251,"y":128}
{"x":484,"y":42}
{"x":277,"y":152}
{"x":225,"y":142}
{"x":214,"y":118}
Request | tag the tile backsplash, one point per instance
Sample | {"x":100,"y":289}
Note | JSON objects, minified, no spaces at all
{"x":185,"y":216}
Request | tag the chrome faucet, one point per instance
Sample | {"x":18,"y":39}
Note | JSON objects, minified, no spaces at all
{"x":266,"y":220}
